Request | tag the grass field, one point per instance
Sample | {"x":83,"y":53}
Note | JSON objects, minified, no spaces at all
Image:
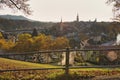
{"x":25,"y":75}
{"x":15,"y":64}
{"x":75,"y":74}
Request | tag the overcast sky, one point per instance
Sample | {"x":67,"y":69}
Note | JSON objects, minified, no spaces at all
{"x":53,"y":10}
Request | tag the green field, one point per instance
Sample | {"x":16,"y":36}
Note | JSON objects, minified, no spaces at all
{"x":75,"y":74}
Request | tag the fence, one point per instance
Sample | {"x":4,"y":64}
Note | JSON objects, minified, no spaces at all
{"x":67,"y":59}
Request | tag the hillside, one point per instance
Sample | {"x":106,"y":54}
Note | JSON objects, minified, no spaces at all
{"x":25,"y":75}
{"x":15,"y":64}
{"x":20,"y":22}
{"x":12,"y":17}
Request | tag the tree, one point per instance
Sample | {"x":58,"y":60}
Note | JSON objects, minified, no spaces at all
{"x":6,"y":45}
{"x":116,"y":8}
{"x":60,"y":43}
{"x":23,"y":37}
{"x":24,"y":43}
{"x":16,"y":5}
{"x":34,"y":33}
{"x":42,"y":42}
{"x":1,"y":35}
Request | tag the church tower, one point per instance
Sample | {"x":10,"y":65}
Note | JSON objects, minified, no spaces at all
{"x":61,"y":25}
{"x":77,"y":18}
{"x":95,"y":20}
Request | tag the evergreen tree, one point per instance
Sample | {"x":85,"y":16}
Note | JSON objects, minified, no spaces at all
{"x":35,"y":33}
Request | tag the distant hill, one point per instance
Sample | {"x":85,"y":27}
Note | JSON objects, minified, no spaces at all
{"x":10,"y":22}
{"x":12,"y":17}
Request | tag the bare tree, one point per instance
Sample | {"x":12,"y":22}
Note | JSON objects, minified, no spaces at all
{"x":21,"y":5}
{"x":116,"y":8}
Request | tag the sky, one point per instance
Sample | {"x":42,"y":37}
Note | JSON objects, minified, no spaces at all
{"x":54,"y":10}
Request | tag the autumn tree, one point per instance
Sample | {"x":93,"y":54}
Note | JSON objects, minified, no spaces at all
{"x":1,"y":35}
{"x":27,"y":43}
{"x":60,"y":43}
{"x":6,"y":45}
{"x":2,"y":42}
{"x":24,"y":43}
{"x":21,"y":5}
{"x":116,"y":8}
{"x":42,"y":42}
{"x":23,"y":37}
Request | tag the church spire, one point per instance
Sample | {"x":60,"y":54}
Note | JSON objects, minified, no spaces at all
{"x":61,"y":25}
{"x":95,"y":20}
{"x":61,"y":19}
{"x":77,"y":19}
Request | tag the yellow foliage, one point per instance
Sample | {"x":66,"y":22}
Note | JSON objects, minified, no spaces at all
{"x":6,"y":45}
{"x":26,"y":43}
{"x":1,"y":36}
{"x":2,"y":42}
{"x":60,"y":43}
{"x":41,"y":42}
{"x":23,"y":37}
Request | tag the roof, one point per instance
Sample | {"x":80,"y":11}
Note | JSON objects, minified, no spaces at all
{"x":110,"y":43}
{"x":114,"y":47}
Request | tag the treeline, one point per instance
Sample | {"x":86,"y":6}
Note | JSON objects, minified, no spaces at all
{"x":8,"y":24}
{"x":27,"y":43}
